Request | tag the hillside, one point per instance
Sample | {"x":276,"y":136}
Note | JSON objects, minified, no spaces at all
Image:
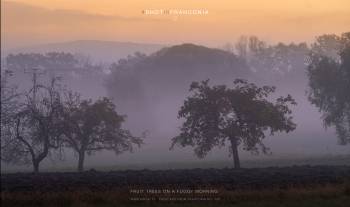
{"x":105,"y":51}
{"x":150,"y":89}
{"x":172,"y":69}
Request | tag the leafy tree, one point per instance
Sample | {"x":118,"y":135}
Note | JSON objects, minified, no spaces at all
{"x":240,"y":115}
{"x":94,"y":126}
{"x":329,"y":83}
{"x":161,"y":77}
{"x":329,"y":45}
{"x":273,"y":61}
{"x":34,"y":128}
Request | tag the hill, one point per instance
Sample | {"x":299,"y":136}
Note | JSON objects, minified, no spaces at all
{"x":105,"y":51}
{"x":154,"y":86}
{"x":174,"y":68}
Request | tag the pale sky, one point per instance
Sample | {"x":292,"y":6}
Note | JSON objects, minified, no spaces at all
{"x":30,"y":22}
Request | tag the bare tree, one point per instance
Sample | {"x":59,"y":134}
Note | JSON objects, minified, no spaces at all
{"x":242,"y":47}
{"x":35,"y":127}
{"x":9,"y":106}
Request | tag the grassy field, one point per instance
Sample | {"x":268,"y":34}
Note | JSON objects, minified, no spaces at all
{"x":246,"y":163}
{"x":317,"y":196}
{"x":258,"y":162}
{"x":328,"y":185}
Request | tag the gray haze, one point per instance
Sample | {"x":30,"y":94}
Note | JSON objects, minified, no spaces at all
{"x":156,"y":111}
{"x":97,"y":50}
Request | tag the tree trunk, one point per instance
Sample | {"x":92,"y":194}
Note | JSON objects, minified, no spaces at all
{"x":81,"y":161}
{"x":234,"y":146}
{"x":39,"y":158}
{"x":35,"y":166}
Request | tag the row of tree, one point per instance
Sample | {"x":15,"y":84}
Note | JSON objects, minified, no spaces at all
{"x":47,"y":119}
{"x":281,"y":59}
{"x":324,"y":64}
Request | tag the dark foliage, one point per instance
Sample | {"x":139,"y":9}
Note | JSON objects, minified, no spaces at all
{"x":329,"y":83}
{"x":93,"y":126}
{"x":216,"y":114}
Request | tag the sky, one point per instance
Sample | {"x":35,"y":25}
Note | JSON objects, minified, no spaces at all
{"x":31,"y":22}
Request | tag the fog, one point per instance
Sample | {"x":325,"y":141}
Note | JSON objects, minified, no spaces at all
{"x":151,"y":88}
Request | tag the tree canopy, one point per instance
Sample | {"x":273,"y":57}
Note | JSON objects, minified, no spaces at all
{"x":329,"y":84}
{"x":241,"y":115}
{"x":94,"y":126}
